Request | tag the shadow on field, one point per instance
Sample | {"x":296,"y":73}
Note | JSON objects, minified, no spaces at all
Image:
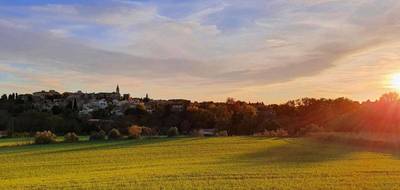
{"x":380,"y":143}
{"x":84,"y":146}
{"x":315,"y":150}
{"x":298,"y":151}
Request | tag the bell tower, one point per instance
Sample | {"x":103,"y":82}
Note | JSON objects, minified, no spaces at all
{"x":117,"y":90}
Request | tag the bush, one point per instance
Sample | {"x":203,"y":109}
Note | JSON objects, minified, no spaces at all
{"x":101,"y":135}
{"x":146,"y":131}
{"x":155,"y":131}
{"x":71,"y":137}
{"x":173,"y":131}
{"x":273,"y":133}
{"x":221,"y":133}
{"x":135,"y":132}
{"x":45,"y":137}
{"x":310,"y":128}
{"x":114,"y":134}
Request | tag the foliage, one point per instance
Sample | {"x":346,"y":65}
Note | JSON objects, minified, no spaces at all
{"x":101,"y":135}
{"x":4,"y":119}
{"x":197,"y":133}
{"x":114,"y":134}
{"x":135,"y":132}
{"x":71,"y":137}
{"x":273,"y":133}
{"x":200,"y":117}
{"x":310,"y":128}
{"x":146,"y":131}
{"x":140,"y":109}
{"x":235,"y":117}
{"x":221,"y":133}
{"x":56,"y":110}
{"x":101,"y":114}
{"x":45,"y":137}
{"x":391,"y":97}
{"x":172,"y":132}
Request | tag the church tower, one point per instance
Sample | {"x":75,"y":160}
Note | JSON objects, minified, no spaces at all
{"x":117,"y":90}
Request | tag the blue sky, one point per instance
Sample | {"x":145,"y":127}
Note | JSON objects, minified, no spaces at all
{"x":255,"y":50}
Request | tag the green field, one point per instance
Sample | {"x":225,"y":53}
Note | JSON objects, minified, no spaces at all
{"x":196,"y":163}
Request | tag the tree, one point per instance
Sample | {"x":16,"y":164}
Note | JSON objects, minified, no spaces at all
{"x":55,"y":124}
{"x":11,"y":96}
{"x":101,"y":114}
{"x":200,"y":118}
{"x":75,"y":104}
{"x":243,"y":120}
{"x":56,"y":110}
{"x":4,"y":119}
{"x":230,"y":101}
{"x":3,"y":97}
{"x":222,"y":117}
{"x":139,"y":109}
{"x":390,"y":97}
{"x":32,"y":121}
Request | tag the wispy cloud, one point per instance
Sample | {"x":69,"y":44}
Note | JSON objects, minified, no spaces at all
{"x":229,"y":46}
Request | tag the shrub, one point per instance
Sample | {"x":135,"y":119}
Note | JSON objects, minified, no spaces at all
{"x":114,"y":134}
{"x":101,"y":135}
{"x":197,"y":133}
{"x":310,"y":128}
{"x":222,"y":133}
{"x":71,"y":137}
{"x":273,"y":133}
{"x":173,"y":131}
{"x":155,"y":131}
{"x":135,"y":132}
{"x":45,"y":137}
{"x":146,"y":131}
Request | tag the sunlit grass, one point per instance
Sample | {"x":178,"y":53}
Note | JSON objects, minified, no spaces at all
{"x":193,"y":163}
{"x":4,"y":142}
{"x":15,"y":141}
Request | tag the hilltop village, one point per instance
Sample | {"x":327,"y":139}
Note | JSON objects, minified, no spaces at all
{"x":88,"y":103}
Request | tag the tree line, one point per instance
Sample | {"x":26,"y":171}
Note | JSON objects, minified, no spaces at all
{"x":234,"y":117}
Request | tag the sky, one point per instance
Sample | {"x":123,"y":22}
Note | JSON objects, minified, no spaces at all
{"x":256,"y":50}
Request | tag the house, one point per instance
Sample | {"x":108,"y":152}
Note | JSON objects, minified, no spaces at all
{"x":94,"y":105}
{"x":101,"y":104}
{"x":177,"y":107}
{"x":107,"y":95}
{"x":43,"y":95}
{"x":117,"y":112}
{"x":126,"y":97}
{"x":85,"y":111}
{"x":25,"y":97}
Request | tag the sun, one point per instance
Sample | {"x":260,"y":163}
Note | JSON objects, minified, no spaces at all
{"x":395,"y":83}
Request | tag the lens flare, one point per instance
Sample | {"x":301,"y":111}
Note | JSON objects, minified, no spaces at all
{"x":396,"y":81}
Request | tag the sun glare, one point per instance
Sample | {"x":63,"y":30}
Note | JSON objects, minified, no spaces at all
{"x":396,"y":81}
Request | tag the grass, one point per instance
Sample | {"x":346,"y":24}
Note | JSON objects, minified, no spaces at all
{"x":197,"y":163}
{"x":5,"y":142}
{"x":15,"y":141}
